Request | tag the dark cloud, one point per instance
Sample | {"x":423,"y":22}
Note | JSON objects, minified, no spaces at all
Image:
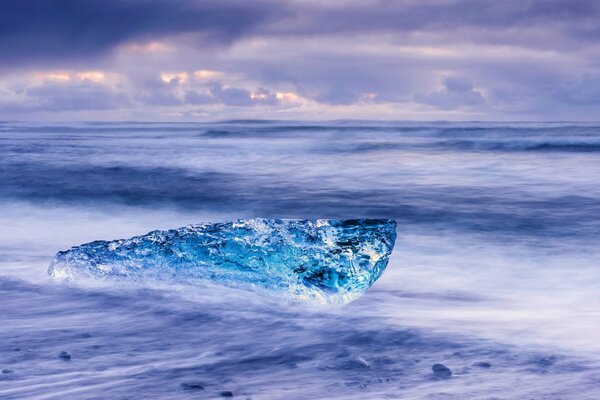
{"x":156,"y":92}
{"x":583,"y":90}
{"x":339,"y":95}
{"x":328,"y":76}
{"x":77,"y":96}
{"x":52,"y":30}
{"x":231,"y":96}
{"x":453,"y":19}
{"x":458,"y":92}
{"x":198,"y":98}
{"x":59,"y":30}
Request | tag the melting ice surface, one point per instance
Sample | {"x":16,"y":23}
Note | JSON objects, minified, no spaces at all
{"x":328,"y":261}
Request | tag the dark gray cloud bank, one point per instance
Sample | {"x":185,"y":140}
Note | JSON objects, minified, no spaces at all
{"x":440,"y":59}
{"x":37,"y":31}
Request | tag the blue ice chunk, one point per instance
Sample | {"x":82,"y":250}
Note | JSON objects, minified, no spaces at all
{"x":328,"y":261}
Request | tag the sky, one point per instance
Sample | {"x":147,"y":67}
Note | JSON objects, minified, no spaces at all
{"x":203,"y":60}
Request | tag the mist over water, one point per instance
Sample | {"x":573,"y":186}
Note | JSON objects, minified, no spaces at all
{"x":495,"y":272}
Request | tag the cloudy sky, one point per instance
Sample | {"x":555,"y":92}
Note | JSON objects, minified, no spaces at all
{"x":300,"y":59}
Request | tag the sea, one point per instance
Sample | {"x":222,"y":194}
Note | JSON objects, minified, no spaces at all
{"x":495,"y":274}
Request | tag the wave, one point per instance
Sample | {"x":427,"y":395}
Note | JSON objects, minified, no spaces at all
{"x":480,"y":145}
{"x":518,"y":146}
{"x":499,"y":210}
{"x":132,"y":342}
{"x":438,"y":175}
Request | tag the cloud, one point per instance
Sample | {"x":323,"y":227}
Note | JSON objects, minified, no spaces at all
{"x":582,"y":90}
{"x":158,"y":92}
{"x":452,"y":19}
{"x":231,"y":96}
{"x":58,"y":30}
{"x":218,"y":93}
{"x":526,"y":59}
{"x":339,"y":95}
{"x":73,"y":96}
{"x":458,"y":92}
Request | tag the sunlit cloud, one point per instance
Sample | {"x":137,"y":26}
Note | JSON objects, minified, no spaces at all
{"x":53,"y":76}
{"x":259,"y":96}
{"x":150,"y":47}
{"x":207,"y":74}
{"x":370,"y":96}
{"x":288,"y":97}
{"x":178,"y":77}
{"x":65,"y":76}
{"x":96,"y":76}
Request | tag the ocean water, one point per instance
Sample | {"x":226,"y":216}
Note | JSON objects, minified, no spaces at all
{"x":495,"y":273}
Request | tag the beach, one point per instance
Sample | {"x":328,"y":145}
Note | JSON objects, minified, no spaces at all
{"x":494,"y":274}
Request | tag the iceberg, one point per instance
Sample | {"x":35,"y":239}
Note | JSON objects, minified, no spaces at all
{"x":327,"y":261}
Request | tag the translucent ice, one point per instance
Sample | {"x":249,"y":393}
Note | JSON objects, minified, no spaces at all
{"x":329,"y":261}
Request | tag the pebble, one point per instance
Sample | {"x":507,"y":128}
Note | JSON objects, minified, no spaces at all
{"x":546,"y":361}
{"x":441,"y":371}
{"x":64,"y":356}
{"x":226,"y":393}
{"x":192,"y":386}
{"x":482,"y":364}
